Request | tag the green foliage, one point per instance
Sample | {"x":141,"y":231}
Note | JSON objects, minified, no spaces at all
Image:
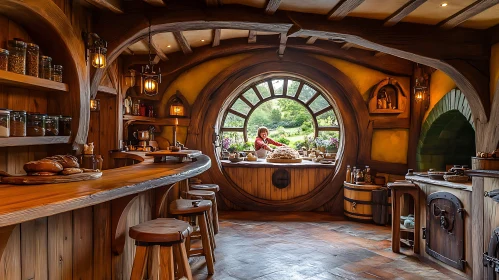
{"x":307,"y":126}
{"x":283,"y":140}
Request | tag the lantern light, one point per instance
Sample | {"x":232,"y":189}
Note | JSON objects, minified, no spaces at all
{"x":177,"y":108}
{"x":96,"y":48}
{"x":150,"y":80}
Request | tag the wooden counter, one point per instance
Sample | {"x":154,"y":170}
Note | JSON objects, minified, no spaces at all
{"x":264,"y":163}
{"x":441,"y":183}
{"x":23,"y":203}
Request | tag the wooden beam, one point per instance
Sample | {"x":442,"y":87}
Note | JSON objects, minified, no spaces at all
{"x":216,"y":37}
{"x":110,"y":5}
{"x":282,"y":44}
{"x":155,"y":48}
{"x":403,"y":12}
{"x":157,"y":3}
{"x":128,"y":51}
{"x":272,"y":6}
{"x":342,"y":9}
{"x":252,"y":36}
{"x":347,"y":46}
{"x":213,"y":3}
{"x":378,"y":54}
{"x":182,"y":42}
{"x":466,"y":13}
{"x":311,"y":40}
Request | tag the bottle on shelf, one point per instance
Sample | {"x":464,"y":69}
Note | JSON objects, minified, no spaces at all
{"x":142,"y":109}
{"x":136,"y":108}
{"x":349,"y":174}
{"x":352,"y":175}
{"x":367,"y":175}
{"x":359,"y":176}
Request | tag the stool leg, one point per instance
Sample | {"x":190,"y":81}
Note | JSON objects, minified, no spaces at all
{"x":139,"y":263}
{"x":215,"y":215}
{"x":188,"y":238}
{"x":166,"y":263}
{"x":155,"y":258}
{"x":417,"y":224}
{"x":184,"y":261}
{"x":205,"y":238}
{"x":178,"y":261}
{"x":212,"y":233}
{"x":396,"y":222}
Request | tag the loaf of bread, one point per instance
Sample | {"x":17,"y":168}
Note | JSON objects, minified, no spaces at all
{"x":44,"y":165}
{"x":69,"y":171}
{"x":67,"y":161}
{"x":42,"y":173}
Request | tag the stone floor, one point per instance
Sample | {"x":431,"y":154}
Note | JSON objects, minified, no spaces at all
{"x":282,"y":246}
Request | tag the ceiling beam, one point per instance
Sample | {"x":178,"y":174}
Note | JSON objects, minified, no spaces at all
{"x":155,"y":48}
{"x":216,"y":37}
{"x":378,"y":54}
{"x":272,"y":6}
{"x":182,"y":42}
{"x":282,"y":44}
{"x":466,"y":13}
{"x":347,"y":45}
{"x":342,"y":9}
{"x":311,"y":40}
{"x":252,"y":36}
{"x":401,"y":13}
{"x":110,"y":5}
{"x":128,"y":51}
{"x":157,"y":3}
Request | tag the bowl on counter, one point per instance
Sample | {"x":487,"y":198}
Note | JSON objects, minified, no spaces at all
{"x":438,"y":175}
{"x":236,"y":159}
{"x":456,"y":178}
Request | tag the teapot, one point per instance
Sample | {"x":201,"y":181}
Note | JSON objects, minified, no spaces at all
{"x":141,"y":135}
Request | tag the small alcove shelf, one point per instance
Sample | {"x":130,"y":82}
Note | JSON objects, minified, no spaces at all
{"x":29,"y":82}
{"x":29,"y":141}
{"x":156,"y":121}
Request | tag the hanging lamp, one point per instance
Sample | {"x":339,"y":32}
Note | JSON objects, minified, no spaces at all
{"x":150,"y":80}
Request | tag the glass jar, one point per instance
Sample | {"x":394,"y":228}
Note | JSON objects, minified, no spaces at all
{"x":65,"y":126}
{"x":4,"y":59}
{"x":4,"y":122}
{"x":18,"y":123}
{"x":17,"y":56}
{"x":45,"y":67}
{"x":51,"y":125}
{"x":35,"y":125}
{"x":32,"y":59}
{"x":57,"y":73}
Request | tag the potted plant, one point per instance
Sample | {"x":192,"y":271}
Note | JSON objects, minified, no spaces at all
{"x":332,"y":145}
{"x":225,"y":147}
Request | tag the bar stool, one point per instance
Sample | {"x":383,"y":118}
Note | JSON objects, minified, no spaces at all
{"x":399,"y":189}
{"x":186,"y":209}
{"x":206,"y":195}
{"x":214,"y":188}
{"x":167,"y":233}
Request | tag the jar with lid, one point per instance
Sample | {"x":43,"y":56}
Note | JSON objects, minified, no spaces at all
{"x":349,"y":174}
{"x":18,"y":123}
{"x":35,"y":126}
{"x":65,"y":126}
{"x":45,"y":67}
{"x":4,"y":122}
{"x":32,"y":59}
{"x":57,"y":73}
{"x":367,"y":175}
{"x":136,"y":108}
{"x":4,"y":59}
{"x":17,"y":56}
{"x":51,"y":125}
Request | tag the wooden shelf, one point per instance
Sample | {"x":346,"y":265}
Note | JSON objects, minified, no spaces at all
{"x":156,"y":121}
{"x":27,"y":141}
{"x":25,"y":81}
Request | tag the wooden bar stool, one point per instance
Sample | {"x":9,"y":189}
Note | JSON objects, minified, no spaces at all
{"x":214,"y":188}
{"x":169,"y":234}
{"x":399,"y":189}
{"x":206,"y":195}
{"x":187,"y":208}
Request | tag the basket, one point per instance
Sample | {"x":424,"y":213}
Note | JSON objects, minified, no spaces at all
{"x":236,"y":159}
{"x":438,"y":175}
{"x":456,"y":178}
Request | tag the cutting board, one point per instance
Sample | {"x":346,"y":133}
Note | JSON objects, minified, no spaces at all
{"x":280,"y":160}
{"x":37,"y":180}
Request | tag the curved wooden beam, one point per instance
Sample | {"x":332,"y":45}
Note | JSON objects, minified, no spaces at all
{"x":37,"y":15}
{"x":119,"y":213}
{"x":160,"y":194}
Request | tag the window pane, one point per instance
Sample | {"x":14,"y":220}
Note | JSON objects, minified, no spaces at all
{"x":251,"y":96}
{"x":319,"y":104}
{"x":306,"y":93}
{"x":264,"y":90}
{"x":292,"y":87}
{"x":232,"y":139}
{"x":233,"y":121}
{"x":278,"y":84}
{"x":241,"y":107}
{"x":327,"y":119}
{"x":327,"y":135}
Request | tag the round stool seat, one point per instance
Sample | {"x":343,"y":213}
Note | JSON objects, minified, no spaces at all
{"x":187,"y":207}
{"x":204,"y":194}
{"x":161,"y":230}
{"x":205,"y":187}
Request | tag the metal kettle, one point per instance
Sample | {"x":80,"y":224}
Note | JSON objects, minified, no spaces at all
{"x":142,"y":135}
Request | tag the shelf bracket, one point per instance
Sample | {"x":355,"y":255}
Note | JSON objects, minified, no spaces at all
{"x":5,"y":233}
{"x":119,"y":212}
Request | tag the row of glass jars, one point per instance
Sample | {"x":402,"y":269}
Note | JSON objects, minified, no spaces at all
{"x":20,"y":124}
{"x":24,"y":58}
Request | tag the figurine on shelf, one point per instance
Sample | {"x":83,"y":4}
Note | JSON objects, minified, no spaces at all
{"x":88,"y":149}
{"x":128,"y":105}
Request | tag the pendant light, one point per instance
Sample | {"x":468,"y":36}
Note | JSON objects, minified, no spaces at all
{"x":150,"y":80}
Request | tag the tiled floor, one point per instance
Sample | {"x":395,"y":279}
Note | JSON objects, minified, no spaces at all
{"x":285,"y":246}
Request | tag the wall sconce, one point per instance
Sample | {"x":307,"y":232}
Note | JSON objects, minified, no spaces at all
{"x":177,"y":107}
{"x":130,"y":78}
{"x":422,"y":87}
{"x":94,"y":105}
{"x":96,"y":48}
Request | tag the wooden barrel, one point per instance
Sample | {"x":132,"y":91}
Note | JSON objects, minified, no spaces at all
{"x":484,"y":163}
{"x":358,"y":201}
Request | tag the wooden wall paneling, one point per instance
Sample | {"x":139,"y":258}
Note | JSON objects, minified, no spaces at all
{"x":16,"y":158}
{"x":254,"y":182}
{"x":34,"y":249}
{"x":262,"y":192}
{"x":60,"y":246}
{"x":83,"y":243}
{"x":10,"y":261}
{"x":102,"y":241}
{"x":107,"y":128}
{"x":285,"y":191}
{"x":268,"y":185}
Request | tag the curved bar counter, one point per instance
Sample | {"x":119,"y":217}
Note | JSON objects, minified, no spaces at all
{"x":28,"y":202}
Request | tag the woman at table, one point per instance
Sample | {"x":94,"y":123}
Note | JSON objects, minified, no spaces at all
{"x":262,"y":142}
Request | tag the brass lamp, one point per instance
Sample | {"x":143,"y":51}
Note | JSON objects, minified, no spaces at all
{"x":94,"y":105}
{"x":150,"y":80}
{"x":96,"y":48}
{"x":177,"y":108}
